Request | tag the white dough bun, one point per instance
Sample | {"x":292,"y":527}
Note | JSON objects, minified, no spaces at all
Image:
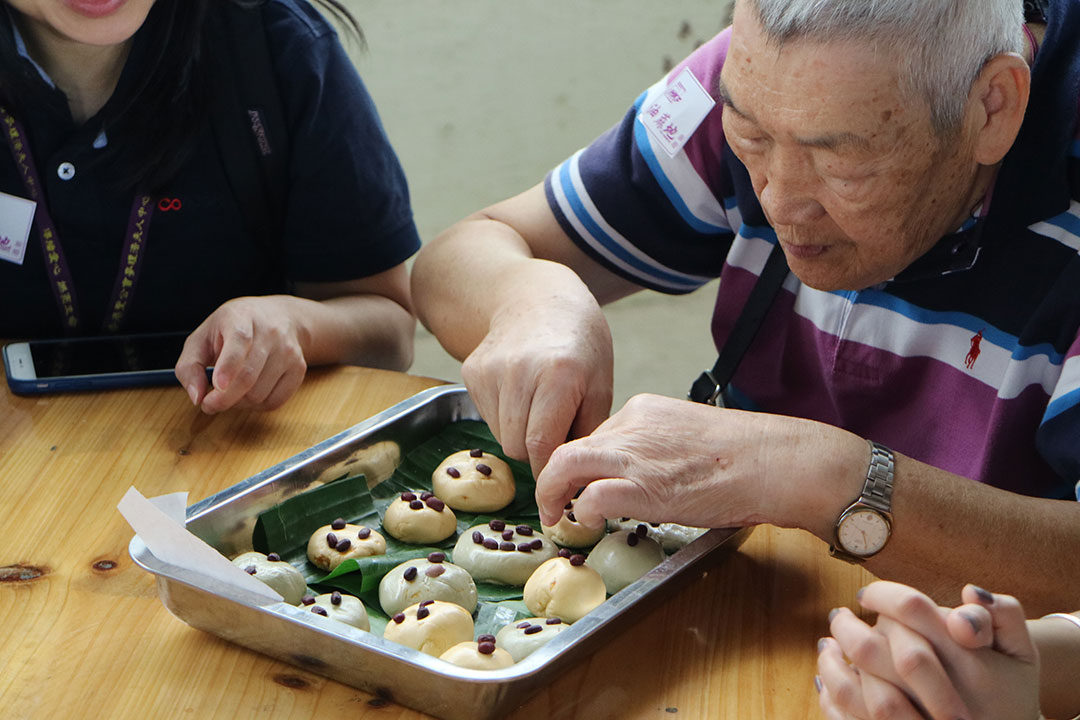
{"x":348,"y":609}
{"x":521,"y":641}
{"x":671,"y":536}
{"x":279,"y":575}
{"x":500,"y":556}
{"x":624,"y":556}
{"x":429,"y":581}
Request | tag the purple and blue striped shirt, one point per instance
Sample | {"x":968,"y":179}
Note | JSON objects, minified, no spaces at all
{"x":893,"y":363}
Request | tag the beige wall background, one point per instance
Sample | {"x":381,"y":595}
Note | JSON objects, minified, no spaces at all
{"x":482,"y":98}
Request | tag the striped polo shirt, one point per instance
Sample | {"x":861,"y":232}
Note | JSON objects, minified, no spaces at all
{"x":968,"y":360}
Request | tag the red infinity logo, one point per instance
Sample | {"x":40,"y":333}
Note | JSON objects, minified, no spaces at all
{"x":166,"y":204}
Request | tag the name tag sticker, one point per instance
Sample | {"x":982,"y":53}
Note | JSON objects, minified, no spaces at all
{"x":674,"y":116}
{"x":16,"y":218}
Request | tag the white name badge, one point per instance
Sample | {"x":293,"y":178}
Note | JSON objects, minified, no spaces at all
{"x":673,"y":117}
{"x":16,"y":218}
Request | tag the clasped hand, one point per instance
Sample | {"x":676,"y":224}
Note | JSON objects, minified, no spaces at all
{"x":919,"y":660}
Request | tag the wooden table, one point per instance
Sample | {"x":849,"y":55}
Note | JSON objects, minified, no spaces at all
{"x":82,"y":631}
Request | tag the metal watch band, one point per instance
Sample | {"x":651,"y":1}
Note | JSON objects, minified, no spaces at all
{"x":876,"y":494}
{"x":877,"y":491}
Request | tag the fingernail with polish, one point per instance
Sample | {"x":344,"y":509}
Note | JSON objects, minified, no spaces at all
{"x":820,"y":644}
{"x":817,"y":683}
{"x":832,"y":613}
{"x":972,"y":621}
{"x":985,"y":596}
{"x":859,"y":593}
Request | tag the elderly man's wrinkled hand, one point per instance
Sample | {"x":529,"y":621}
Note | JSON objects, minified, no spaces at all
{"x":541,"y":375}
{"x":254,"y":347}
{"x":665,"y":460}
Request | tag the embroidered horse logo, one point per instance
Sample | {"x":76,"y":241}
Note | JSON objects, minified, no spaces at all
{"x":5,"y":242}
{"x":973,"y":353}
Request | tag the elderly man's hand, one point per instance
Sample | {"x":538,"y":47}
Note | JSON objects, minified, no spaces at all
{"x":542,"y":374}
{"x":660,"y":459}
{"x":254,"y":346}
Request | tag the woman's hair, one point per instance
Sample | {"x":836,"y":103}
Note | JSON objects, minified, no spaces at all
{"x":941,"y":45}
{"x":161,"y":119}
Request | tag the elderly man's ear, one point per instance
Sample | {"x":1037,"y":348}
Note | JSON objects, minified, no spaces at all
{"x":996,"y":106}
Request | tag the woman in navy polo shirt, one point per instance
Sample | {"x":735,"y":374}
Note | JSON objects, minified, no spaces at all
{"x":140,"y":226}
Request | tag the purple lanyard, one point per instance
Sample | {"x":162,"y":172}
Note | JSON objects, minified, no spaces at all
{"x":142,"y":209}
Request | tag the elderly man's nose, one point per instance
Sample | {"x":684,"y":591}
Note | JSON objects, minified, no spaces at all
{"x":787,"y":189}
{"x":788,"y":203}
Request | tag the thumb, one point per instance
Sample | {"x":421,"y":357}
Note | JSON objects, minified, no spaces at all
{"x":1007,"y":617}
{"x":191,"y":366}
{"x":610,"y":497}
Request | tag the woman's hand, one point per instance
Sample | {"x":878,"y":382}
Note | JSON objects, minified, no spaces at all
{"x":256,"y":349}
{"x":919,"y":660}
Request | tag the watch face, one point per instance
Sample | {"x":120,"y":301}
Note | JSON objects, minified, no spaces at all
{"x":863,"y":532}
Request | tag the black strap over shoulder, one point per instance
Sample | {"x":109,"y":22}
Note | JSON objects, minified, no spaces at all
{"x":249,"y":121}
{"x":1035,"y":11}
{"x":710,"y":385}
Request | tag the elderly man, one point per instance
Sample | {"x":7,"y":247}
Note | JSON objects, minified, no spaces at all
{"x":916,"y":381}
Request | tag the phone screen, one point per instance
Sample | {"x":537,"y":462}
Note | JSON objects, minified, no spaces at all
{"x":95,"y":356}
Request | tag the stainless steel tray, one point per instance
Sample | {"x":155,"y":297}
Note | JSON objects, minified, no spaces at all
{"x":360,"y":659}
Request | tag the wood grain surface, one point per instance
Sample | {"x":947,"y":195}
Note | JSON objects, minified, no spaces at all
{"x":83,"y":633}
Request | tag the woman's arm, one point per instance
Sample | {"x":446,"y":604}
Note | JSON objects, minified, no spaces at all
{"x":260,"y":347}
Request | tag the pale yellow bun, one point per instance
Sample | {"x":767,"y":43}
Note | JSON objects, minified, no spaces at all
{"x":468,"y":655}
{"x":564,"y":588}
{"x":352,"y":541}
{"x":432,"y":627}
{"x":474,"y":482}
{"x":420,"y":518}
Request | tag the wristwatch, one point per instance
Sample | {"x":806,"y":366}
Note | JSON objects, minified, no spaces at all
{"x":864,"y":526}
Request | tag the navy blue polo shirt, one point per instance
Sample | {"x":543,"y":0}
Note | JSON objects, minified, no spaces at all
{"x":347,"y":212}
{"x":968,"y":360}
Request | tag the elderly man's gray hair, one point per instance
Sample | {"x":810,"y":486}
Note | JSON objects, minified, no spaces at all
{"x":941,"y":44}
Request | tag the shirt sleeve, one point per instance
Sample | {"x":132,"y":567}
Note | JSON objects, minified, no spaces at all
{"x":1058,"y":437}
{"x":348,"y":213}
{"x":665,"y":223}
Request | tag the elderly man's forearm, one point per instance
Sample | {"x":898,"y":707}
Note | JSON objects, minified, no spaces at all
{"x":948,"y":530}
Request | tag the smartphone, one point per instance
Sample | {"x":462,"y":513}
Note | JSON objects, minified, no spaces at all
{"x":117,"y":361}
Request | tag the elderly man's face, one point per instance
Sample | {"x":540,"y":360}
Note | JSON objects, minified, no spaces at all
{"x":848,"y":171}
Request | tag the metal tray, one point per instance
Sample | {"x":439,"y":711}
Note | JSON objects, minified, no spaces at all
{"x":360,"y":659}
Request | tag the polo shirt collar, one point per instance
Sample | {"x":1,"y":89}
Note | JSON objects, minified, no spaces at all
{"x":955,"y":252}
{"x":20,"y":47}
